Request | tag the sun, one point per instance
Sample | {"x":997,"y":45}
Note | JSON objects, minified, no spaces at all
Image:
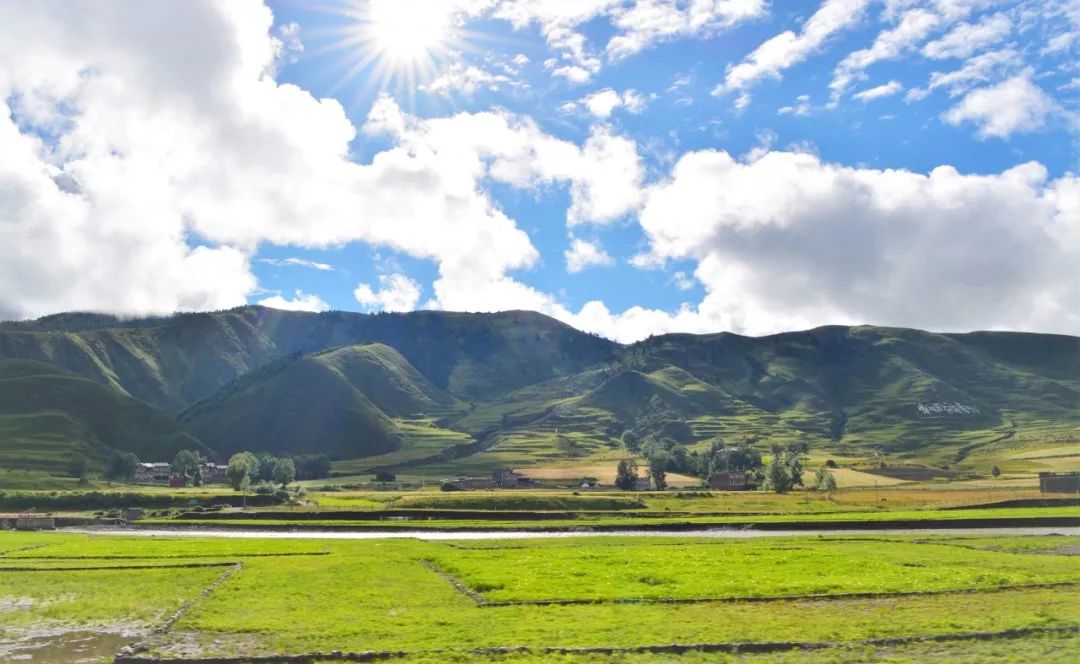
{"x":407,"y":32}
{"x":397,"y":44}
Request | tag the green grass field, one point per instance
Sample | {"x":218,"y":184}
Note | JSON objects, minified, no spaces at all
{"x":266,"y":596}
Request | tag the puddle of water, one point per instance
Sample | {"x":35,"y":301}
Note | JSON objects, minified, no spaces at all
{"x":65,"y":648}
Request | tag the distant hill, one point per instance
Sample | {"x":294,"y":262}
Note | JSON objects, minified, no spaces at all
{"x":174,"y":362}
{"x":342,"y":402}
{"x":47,"y":415}
{"x":521,"y":388}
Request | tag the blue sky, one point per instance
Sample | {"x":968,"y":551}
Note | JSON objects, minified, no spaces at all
{"x":631,"y":167}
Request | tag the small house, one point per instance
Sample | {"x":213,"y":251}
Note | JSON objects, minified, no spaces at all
{"x":642,"y":484}
{"x":28,"y":521}
{"x":146,"y":473}
{"x":1059,"y":482}
{"x":215,"y":473}
{"x":472,"y":483}
{"x":729,"y":480}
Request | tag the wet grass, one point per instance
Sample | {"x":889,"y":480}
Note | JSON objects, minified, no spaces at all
{"x":748,"y":569}
{"x":377,"y":595}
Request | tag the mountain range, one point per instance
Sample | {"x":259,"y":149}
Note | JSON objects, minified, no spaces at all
{"x":428,"y":390}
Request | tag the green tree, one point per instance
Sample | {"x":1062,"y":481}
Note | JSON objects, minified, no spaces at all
{"x":284,"y":471}
{"x":824,"y":480}
{"x":312,"y":466}
{"x":631,"y":441}
{"x":658,"y":465}
{"x":242,"y":466}
{"x":121,"y":466}
{"x":995,"y":471}
{"x":785,"y":468}
{"x":626,"y":475}
{"x":187,"y":464}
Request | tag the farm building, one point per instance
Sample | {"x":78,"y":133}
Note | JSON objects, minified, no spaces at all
{"x":1059,"y":482}
{"x":26,"y":522}
{"x":215,"y":473}
{"x":153,"y":472}
{"x":472,"y":483}
{"x":642,"y":484}
{"x":729,"y":480}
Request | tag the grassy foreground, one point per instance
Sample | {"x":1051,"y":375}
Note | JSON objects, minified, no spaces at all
{"x":449,"y":601}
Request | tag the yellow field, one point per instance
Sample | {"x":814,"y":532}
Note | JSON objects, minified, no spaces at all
{"x":848,"y":477}
{"x":605,"y":474}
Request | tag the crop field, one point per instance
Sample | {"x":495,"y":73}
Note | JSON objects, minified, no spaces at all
{"x":845,"y":599}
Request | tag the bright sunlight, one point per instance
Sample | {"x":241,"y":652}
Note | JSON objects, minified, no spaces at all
{"x":407,"y":31}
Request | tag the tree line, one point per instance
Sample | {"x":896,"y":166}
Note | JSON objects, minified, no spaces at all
{"x":783,"y":473}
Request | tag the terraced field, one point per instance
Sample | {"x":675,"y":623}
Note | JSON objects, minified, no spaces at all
{"x":581,"y":600}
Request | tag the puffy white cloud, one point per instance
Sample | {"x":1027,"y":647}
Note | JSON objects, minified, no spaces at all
{"x":877,"y":92}
{"x":787,"y":49}
{"x":583,"y":254}
{"x":1013,"y":106}
{"x":397,"y":292}
{"x":573,"y":73}
{"x":789,"y":241}
{"x":967,"y":38}
{"x":131,"y":130}
{"x":603,"y":103}
{"x":300,"y":302}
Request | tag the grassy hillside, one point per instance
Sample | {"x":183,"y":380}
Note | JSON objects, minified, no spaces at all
{"x":342,"y":402}
{"x":469,"y":391}
{"x":174,"y":362}
{"x":48,"y":415}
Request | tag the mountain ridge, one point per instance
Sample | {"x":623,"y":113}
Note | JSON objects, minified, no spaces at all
{"x":538,"y":390}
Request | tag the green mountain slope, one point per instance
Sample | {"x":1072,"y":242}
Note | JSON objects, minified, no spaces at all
{"x":47,"y":415}
{"x":174,"y":362}
{"x":522,"y":388}
{"x":342,"y":402}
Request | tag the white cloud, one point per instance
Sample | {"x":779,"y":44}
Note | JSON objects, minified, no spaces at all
{"x":1013,"y":106}
{"x":914,"y":26}
{"x":583,"y":254}
{"x":287,"y":45}
{"x":647,"y":22}
{"x":638,"y":24}
{"x":164,"y":126}
{"x":980,"y":69}
{"x":301,"y":302}
{"x":396,"y":292}
{"x":298,"y":262}
{"x":466,"y":79}
{"x":603,"y":103}
{"x":967,"y":38}
{"x":787,"y":49}
{"x":682,"y":281}
{"x":573,"y":73}
{"x":800,"y":108}
{"x":790,"y":242}
{"x":885,"y":90}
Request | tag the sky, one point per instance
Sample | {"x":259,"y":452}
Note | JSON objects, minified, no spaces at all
{"x":630,"y":167}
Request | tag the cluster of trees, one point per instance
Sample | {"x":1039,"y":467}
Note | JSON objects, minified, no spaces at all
{"x":121,"y":466}
{"x":663,"y":455}
{"x":247,"y":469}
{"x":785,"y":470}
